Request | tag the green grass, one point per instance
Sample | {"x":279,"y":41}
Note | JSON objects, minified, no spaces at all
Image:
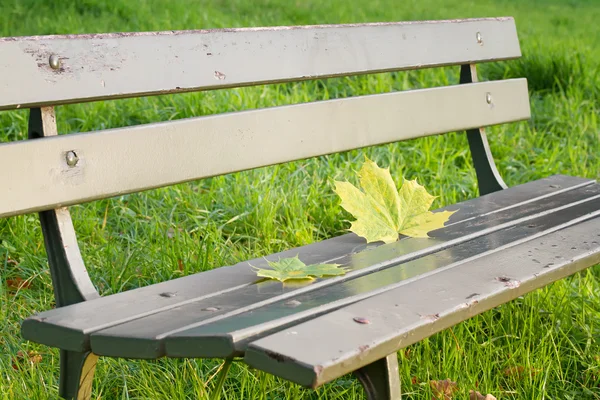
{"x":126,"y":241}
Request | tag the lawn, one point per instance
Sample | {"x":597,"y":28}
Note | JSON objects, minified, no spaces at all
{"x":545,"y":345}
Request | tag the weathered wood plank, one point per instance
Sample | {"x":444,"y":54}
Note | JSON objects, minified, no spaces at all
{"x":328,"y":347}
{"x":70,"y":327}
{"x":229,"y":334}
{"x":109,"y":66}
{"x":118,"y":161}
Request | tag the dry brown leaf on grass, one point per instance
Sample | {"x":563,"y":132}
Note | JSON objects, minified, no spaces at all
{"x":11,"y":261}
{"x":519,"y":372}
{"x":15,"y":284}
{"x":473,"y":395}
{"x":443,"y":390}
{"x":32,"y":357}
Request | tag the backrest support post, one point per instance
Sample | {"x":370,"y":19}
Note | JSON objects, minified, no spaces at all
{"x":488,"y":177}
{"x":70,"y":279}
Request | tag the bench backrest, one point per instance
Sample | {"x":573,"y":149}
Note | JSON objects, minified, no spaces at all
{"x":46,"y":71}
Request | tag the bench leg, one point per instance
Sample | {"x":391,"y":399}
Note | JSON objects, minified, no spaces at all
{"x":70,"y":278}
{"x":76,"y":375}
{"x":381,"y":379}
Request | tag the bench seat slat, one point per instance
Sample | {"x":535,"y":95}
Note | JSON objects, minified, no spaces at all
{"x":118,"y":161}
{"x":190,"y":332}
{"x":330,"y":346}
{"x":70,"y":327}
{"x":109,"y":66}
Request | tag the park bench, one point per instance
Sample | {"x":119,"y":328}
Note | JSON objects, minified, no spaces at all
{"x":495,"y":248}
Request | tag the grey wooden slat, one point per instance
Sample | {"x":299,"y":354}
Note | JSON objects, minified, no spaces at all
{"x":144,"y":337}
{"x":330,"y":346}
{"x":69,"y":327}
{"x":224,"y":337}
{"x":108,"y":66}
{"x":118,"y":161}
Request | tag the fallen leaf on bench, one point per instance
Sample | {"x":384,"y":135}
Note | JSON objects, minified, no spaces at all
{"x":443,"y":390}
{"x":294,"y":269}
{"x":382,"y":212}
{"x":473,"y":395}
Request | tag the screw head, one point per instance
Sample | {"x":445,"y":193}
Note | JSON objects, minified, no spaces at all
{"x":488,"y":98}
{"x":479,"y":38}
{"x":71,"y":158}
{"x":54,"y":61}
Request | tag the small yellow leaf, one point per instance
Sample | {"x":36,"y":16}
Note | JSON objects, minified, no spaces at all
{"x":293,"y":269}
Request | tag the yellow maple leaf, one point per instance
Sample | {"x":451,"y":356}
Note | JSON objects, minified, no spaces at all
{"x":382,"y":212}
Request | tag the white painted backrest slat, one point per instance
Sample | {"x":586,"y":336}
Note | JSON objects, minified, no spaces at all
{"x":109,"y":66}
{"x":36,"y":176}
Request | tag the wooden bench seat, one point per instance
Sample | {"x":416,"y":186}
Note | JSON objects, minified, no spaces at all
{"x":329,"y":346}
{"x":494,"y":248}
{"x":216,"y":313}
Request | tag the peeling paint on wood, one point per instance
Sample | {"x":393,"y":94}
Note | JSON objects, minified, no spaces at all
{"x":152,"y":63}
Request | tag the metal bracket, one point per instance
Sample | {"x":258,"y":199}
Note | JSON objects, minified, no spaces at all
{"x":77,"y":375}
{"x":488,"y":177}
{"x":381,"y":379}
{"x":70,"y":279}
